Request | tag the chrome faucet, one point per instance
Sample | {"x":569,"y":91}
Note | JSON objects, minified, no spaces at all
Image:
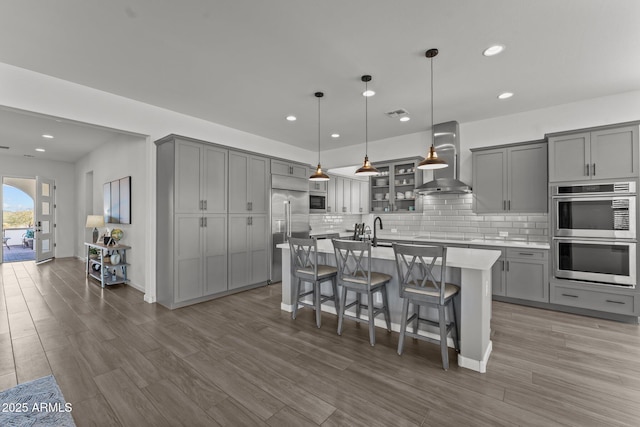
{"x":375,"y":237}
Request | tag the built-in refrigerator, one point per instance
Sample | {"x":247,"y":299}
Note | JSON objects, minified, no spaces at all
{"x":289,"y":215}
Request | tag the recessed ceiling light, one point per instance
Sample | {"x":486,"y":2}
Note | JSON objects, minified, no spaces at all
{"x":42,"y":150}
{"x":493,"y":50}
{"x":368,"y":93}
{"x":47,"y":136}
{"x":292,"y":118}
{"x":335,"y":135}
{"x":505,"y":95}
{"x":405,"y":119}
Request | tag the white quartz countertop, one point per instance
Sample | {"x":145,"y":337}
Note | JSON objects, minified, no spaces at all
{"x":475,"y":259}
{"x":342,"y":233}
{"x":406,"y":237}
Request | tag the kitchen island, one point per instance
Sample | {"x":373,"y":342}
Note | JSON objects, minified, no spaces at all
{"x":469,"y":268}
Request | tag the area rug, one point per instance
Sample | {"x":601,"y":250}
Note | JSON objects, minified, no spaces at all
{"x":35,"y":403}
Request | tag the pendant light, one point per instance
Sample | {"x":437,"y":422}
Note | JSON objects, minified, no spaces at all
{"x":367,"y":168}
{"x":319,"y":175}
{"x":432,"y":161}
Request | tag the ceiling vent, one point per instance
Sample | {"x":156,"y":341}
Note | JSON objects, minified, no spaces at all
{"x":4,"y":147}
{"x":397,"y":113}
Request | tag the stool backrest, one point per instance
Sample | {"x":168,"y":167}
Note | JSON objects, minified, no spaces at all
{"x":304,"y":256}
{"x":353,"y":259}
{"x":417,"y":265}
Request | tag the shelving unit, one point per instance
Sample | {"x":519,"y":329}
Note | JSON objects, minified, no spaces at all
{"x":398,"y":176}
{"x":107,"y":273}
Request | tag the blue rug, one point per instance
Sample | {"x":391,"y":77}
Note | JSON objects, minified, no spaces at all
{"x":35,"y":403}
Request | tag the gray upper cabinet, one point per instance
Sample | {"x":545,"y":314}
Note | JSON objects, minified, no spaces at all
{"x":393,"y":190}
{"x":510,"y":178}
{"x":248,"y":183}
{"x":316,"y":186}
{"x":600,"y":153}
{"x":278,"y":167}
{"x":344,"y":195}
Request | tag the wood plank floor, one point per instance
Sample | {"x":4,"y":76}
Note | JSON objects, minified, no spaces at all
{"x":240,"y":361}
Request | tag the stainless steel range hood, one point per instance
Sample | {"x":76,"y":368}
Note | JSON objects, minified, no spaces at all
{"x":446,"y":181}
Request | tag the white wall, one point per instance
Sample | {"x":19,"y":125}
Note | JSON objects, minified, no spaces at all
{"x":527,"y":126}
{"x":62,"y":174}
{"x":114,"y":160}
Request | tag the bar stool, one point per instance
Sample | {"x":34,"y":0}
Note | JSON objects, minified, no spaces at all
{"x":305,"y":268}
{"x":353,"y":259}
{"x":421,"y":285}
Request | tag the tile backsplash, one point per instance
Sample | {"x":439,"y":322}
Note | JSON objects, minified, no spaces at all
{"x":450,"y":216}
{"x":321,"y":223}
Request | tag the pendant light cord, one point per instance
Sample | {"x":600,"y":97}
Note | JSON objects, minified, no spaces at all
{"x":433,"y":136}
{"x":366,"y":120}
{"x":318,"y":130}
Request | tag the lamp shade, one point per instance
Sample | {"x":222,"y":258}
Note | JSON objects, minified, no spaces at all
{"x":94,"y":221}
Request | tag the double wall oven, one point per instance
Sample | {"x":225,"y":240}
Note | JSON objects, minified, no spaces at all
{"x":594,"y":233}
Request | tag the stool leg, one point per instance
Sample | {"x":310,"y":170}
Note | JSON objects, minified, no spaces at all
{"x":416,"y":310}
{"x":456,"y":339}
{"x":385,"y":309}
{"x":372,"y":325}
{"x":358,"y":305}
{"x":336,"y":300}
{"x":341,"y":311}
{"x":403,"y":324}
{"x":317,"y":300}
{"x":443,"y":337}
{"x":296,"y":296}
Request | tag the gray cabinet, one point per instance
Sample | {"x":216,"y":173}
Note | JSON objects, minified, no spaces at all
{"x":248,"y":183}
{"x":248,"y":250}
{"x":527,"y":274}
{"x":364,"y":197}
{"x":331,"y":195}
{"x":316,"y":186}
{"x":510,"y":178}
{"x":279,"y":167}
{"x":191,"y":221}
{"x":393,"y":190}
{"x":609,"y":152}
{"x":587,"y":297}
{"x":344,"y":195}
{"x":356,"y":207}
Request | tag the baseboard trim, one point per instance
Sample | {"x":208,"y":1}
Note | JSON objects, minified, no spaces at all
{"x":476,"y":365}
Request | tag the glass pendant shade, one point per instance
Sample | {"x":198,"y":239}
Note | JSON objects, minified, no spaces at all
{"x":319,"y":175}
{"x":367,"y":168}
{"x":432,"y":161}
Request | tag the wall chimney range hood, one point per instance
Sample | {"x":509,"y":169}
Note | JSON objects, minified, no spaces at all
{"x":447,"y":144}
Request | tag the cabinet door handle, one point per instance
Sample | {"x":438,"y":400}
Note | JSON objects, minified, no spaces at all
{"x":587,"y":169}
{"x":526,"y":253}
{"x":569,"y":295}
{"x":502,"y":265}
{"x":248,"y":206}
{"x":504,"y":205}
{"x":507,"y":265}
{"x":200,"y":204}
{"x":200,"y":221}
{"x":360,"y":209}
{"x":205,"y":205}
{"x":594,"y":173}
{"x":205,"y":221}
{"x":615,"y":302}
{"x":248,"y":221}
{"x":508,"y":205}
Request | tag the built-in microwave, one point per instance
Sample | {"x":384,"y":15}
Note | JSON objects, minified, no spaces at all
{"x":594,"y":260}
{"x":317,"y":203}
{"x":605,"y":211}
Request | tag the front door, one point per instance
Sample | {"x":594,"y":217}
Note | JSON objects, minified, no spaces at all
{"x":44,"y":241}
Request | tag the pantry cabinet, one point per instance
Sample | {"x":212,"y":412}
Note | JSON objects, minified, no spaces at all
{"x":248,"y":183}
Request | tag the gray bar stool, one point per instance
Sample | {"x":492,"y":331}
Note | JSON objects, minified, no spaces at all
{"x":353,"y":259}
{"x":305,"y":268}
{"x":421,"y":285}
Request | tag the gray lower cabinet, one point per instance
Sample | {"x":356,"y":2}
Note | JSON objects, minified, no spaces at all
{"x":527,"y":274}
{"x":248,"y":250}
{"x":586,"y":296}
{"x":510,"y":178}
{"x":279,"y":167}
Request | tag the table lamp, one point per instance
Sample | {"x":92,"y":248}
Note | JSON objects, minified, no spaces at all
{"x":95,"y":221}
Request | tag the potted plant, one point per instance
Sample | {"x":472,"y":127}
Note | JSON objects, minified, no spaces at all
{"x":93,"y":253}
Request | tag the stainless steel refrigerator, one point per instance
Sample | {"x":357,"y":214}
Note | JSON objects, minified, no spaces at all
{"x":289,"y":215}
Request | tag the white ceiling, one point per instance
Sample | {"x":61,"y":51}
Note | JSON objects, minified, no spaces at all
{"x":248,"y":63}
